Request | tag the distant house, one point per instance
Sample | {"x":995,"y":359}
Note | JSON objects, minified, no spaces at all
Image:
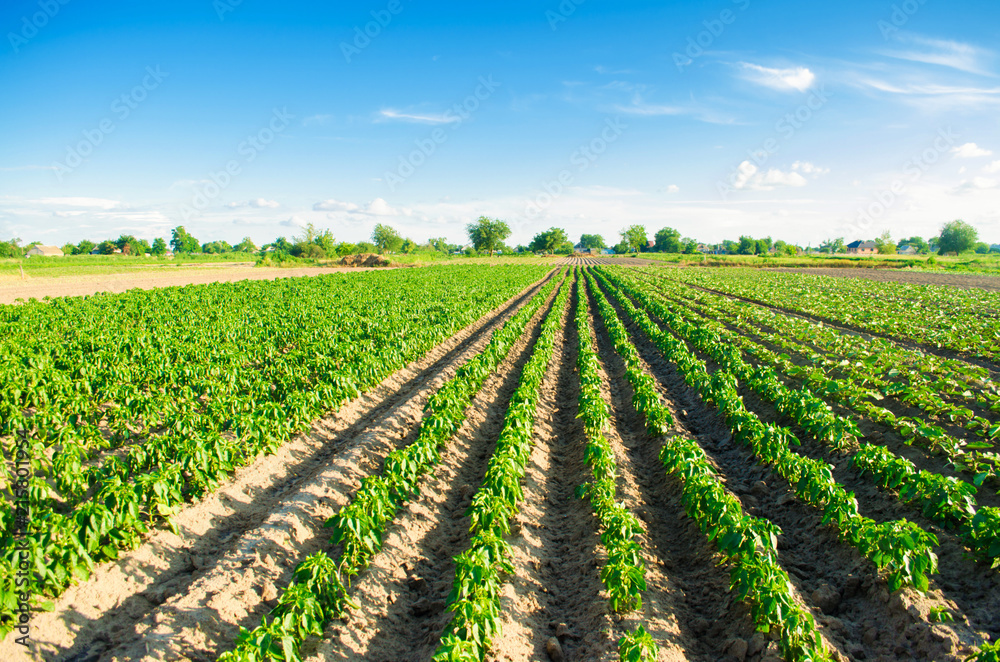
{"x":650,"y":243}
{"x":45,"y":251}
{"x":862,"y":247}
{"x":907,"y":250}
{"x":607,"y":251}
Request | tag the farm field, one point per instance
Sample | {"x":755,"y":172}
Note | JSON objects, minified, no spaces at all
{"x":597,"y":460}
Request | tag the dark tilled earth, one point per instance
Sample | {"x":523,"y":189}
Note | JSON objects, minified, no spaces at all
{"x":962,"y":281}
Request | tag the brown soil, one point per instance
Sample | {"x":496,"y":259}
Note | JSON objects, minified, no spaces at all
{"x":364,"y":260}
{"x":869,"y":623}
{"x":961,"y":281}
{"x":191,"y":592}
{"x":147,"y":279}
{"x":583,"y":261}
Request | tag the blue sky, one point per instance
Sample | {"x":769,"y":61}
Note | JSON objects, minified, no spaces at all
{"x":801,"y":121}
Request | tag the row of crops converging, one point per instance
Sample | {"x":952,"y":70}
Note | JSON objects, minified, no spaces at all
{"x":135,"y":405}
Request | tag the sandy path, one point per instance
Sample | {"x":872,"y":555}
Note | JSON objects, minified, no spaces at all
{"x":403,"y":593}
{"x":192,"y":591}
{"x":70,"y":286}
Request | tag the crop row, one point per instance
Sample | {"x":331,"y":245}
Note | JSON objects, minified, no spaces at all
{"x":217,"y":391}
{"x":945,"y":499}
{"x":624,"y":572}
{"x":480,"y":570}
{"x":319,"y":590}
{"x":922,"y":385}
{"x":900,"y":547}
{"x":946,"y":317}
{"x":749,"y":543}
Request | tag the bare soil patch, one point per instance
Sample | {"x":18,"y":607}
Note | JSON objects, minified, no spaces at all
{"x":961,"y":281}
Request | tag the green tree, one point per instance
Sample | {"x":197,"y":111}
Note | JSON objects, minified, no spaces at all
{"x":84,"y":247}
{"x":833,"y":246}
{"x":982,"y":248}
{"x":129,"y":245}
{"x":917,"y":243}
{"x":345,"y":248}
{"x":11,"y":248}
{"x":365,"y":247}
{"x":635,"y":237}
{"x":217,"y":247}
{"x":549,"y":241}
{"x":957,"y":237}
{"x":748,"y":246}
{"x":182,"y":242}
{"x":246,"y":246}
{"x":622,"y":247}
{"x":107,"y":247}
{"x":592,"y":241}
{"x":280,"y":245}
{"x":885,"y":245}
{"x":409,"y":246}
{"x":487,"y":234}
{"x":386,"y":238}
{"x":159,"y":246}
{"x":667,"y":240}
{"x":730,"y":246}
{"x":69,"y":249}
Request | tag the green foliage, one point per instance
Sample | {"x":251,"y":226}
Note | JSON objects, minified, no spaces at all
{"x":182,"y":242}
{"x":487,"y":234}
{"x":957,"y":237}
{"x":668,"y":240}
{"x":159,"y":246}
{"x":549,"y":241}
{"x":386,"y":238}
{"x":634,"y":236}
{"x":592,"y":241}
{"x":637,"y":646}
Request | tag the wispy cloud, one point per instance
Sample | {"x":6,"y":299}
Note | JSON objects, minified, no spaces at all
{"x":943,"y":52}
{"x":316,"y":120}
{"x":259,"y":203}
{"x":783,"y":80}
{"x":377,"y":207}
{"x":418,"y":118}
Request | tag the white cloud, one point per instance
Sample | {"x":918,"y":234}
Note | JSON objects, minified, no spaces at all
{"x":259,"y":203}
{"x":335,"y":205}
{"x":431,"y":118}
{"x":316,"y":120}
{"x":749,"y":178}
{"x":992,"y":167}
{"x":798,"y":78}
{"x":809,"y":169}
{"x":969,"y":151}
{"x":377,"y":207}
{"x":87,"y":203}
{"x":952,"y":54}
{"x":976,"y":184}
{"x":673,"y":188}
